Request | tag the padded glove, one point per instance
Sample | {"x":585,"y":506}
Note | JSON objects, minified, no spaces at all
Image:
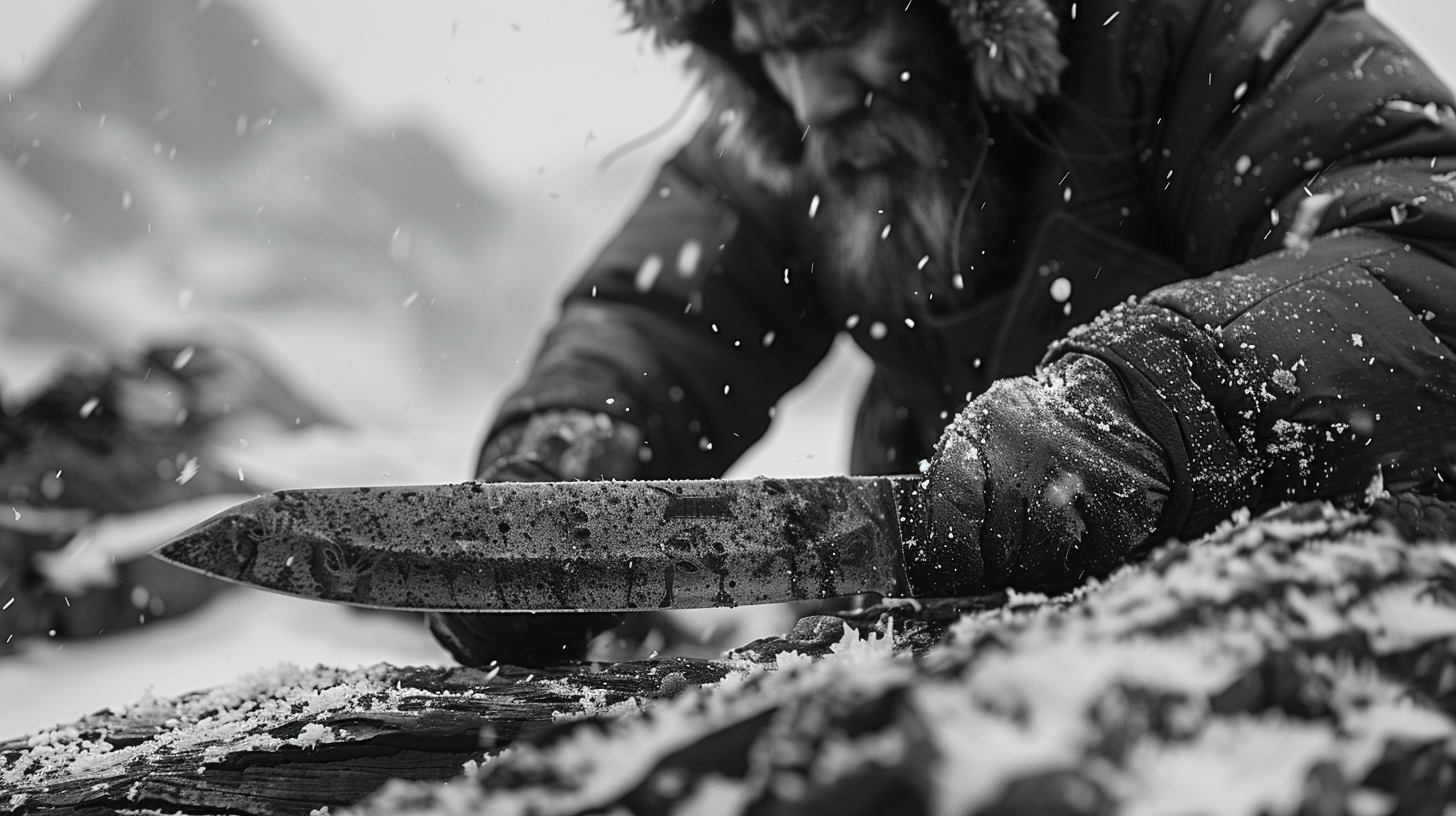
{"x":1038,"y":483}
{"x":558,"y":445}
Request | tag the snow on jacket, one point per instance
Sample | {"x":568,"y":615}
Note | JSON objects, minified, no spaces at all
{"x":1298,"y":145}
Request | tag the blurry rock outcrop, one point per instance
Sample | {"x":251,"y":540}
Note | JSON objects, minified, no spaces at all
{"x":169,"y":158}
{"x":178,"y":204}
{"x":124,"y":444}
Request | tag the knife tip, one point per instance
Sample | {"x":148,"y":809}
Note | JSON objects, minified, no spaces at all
{"x":222,"y":545}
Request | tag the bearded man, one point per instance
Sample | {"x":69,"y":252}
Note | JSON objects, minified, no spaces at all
{"x":1123,"y":267}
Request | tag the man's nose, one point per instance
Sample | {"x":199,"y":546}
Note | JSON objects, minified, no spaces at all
{"x":820,"y":86}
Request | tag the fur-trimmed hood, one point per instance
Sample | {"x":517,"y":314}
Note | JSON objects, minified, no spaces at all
{"x":1011,"y":45}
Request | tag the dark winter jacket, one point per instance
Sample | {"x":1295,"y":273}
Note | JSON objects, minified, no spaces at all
{"x":1297,"y":144}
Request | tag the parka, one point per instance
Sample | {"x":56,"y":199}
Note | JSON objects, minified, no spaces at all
{"x":1247,"y":208}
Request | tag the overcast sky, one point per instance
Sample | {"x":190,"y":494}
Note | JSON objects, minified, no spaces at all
{"x":529,"y":93}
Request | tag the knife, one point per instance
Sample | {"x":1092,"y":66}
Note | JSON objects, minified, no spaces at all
{"x":566,"y":546}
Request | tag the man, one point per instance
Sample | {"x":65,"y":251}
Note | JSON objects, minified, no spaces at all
{"x":965,"y":186}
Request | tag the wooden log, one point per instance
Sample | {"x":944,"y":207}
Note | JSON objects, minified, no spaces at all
{"x":293,"y":740}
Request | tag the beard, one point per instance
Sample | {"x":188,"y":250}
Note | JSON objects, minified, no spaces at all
{"x":906,"y":163}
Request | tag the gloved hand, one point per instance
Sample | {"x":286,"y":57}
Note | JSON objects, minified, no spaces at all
{"x":564,"y":445}
{"x":558,"y":445}
{"x":1038,"y":483}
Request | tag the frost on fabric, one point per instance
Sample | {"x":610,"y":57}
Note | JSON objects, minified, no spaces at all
{"x":1258,"y":366}
{"x":1185,"y":366}
{"x":1286,"y":380}
{"x":1067,"y":441}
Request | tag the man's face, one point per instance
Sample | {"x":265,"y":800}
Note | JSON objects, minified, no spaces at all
{"x":876,"y":90}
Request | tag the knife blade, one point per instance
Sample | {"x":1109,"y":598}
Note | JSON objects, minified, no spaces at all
{"x":565,"y":546}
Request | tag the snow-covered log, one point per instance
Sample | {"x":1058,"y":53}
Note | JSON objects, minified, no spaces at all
{"x":293,"y":740}
{"x":1303,"y":662}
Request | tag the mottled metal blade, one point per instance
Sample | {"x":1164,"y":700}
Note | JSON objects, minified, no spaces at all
{"x":564,"y":545}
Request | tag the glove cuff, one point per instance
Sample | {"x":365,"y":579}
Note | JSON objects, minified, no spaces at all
{"x":943,"y":559}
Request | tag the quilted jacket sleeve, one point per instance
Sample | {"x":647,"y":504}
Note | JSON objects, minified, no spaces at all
{"x":1267,"y":103}
{"x":1299,"y":375}
{"x":1307,"y":148}
{"x":691,"y":323}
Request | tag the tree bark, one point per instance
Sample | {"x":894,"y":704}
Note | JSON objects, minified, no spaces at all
{"x":246,"y":748}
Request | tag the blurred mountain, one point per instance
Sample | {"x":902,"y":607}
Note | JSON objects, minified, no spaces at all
{"x":184,"y":75}
{"x":168,"y":158}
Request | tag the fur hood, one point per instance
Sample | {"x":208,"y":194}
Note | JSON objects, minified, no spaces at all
{"x":1011,"y":45}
